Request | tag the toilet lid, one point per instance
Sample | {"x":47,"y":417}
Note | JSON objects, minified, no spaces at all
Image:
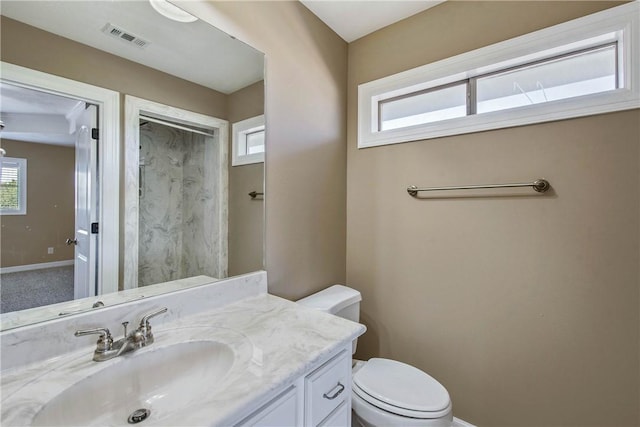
{"x":401,"y":386}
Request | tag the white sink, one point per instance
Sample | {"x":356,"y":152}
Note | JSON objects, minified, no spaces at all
{"x":164,"y":380}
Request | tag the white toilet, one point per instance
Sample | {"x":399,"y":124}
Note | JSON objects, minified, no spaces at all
{"x":386,"y":392}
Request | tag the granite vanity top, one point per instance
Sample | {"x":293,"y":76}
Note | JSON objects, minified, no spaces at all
{"x":275,"y":341}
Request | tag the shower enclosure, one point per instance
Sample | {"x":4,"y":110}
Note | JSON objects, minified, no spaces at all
{"x":176,"y":207}
{"x":178,"y":190}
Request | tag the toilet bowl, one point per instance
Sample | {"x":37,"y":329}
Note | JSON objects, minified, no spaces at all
{"x":385,"y":392}
{"x":391,"y":393}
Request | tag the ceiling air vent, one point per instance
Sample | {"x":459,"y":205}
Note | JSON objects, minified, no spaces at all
{"x":124,"y":35}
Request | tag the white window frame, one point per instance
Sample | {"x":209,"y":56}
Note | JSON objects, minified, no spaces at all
{"x":619,"y":24}
{"x":22,"y":186}
{"x":239,"y":132}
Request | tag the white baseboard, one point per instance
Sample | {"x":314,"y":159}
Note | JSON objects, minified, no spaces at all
{"x":457,"y":422}
{"x":39,"y":266}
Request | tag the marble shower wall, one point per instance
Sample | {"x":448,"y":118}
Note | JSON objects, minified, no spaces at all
{"x":177,"y":229}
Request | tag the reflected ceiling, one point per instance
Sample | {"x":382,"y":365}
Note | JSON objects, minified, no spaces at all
{"x":226,"y":71}
{"x":36,"y":116}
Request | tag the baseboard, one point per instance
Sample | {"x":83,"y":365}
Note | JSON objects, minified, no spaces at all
{"x":40,"y":266}
{"x":457,"y":422}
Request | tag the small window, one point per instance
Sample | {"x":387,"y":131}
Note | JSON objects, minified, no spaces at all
{"x":430,"y":105}
{"x":13,"y":186}
{"x":563,"y":77}
{"x":582,"y":67}
{"x":248,"y":141}
{"x":254,"y":142}
{"x":572,"y":75}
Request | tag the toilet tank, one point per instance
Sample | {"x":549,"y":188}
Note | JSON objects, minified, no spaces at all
{"x":339,"y":300}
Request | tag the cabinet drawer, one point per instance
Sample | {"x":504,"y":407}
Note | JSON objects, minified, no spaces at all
{"x":327,"y":387}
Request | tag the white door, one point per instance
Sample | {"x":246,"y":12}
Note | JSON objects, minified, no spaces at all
{"x":86,"y":186}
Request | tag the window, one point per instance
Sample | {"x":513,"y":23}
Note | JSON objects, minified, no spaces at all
{"x":13,"y":186}
{"x":567,"y":76}
{"x":430,"y":105}
{"x":582,"y":67}
{"x":248,"y":141}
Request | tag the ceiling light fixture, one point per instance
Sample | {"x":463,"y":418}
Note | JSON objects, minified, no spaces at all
{"x":168,"y":10}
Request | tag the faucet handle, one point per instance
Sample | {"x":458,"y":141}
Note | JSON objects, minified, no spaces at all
{"x":145,"y":327}
{"x":145,"y":318}
{"x":105,"y":340}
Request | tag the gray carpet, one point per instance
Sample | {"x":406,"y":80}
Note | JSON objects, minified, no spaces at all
{"x":35,"y":288}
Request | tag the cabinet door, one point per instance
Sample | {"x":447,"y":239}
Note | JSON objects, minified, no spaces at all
{"x":280,"y":412}
{"x":341,"y":417}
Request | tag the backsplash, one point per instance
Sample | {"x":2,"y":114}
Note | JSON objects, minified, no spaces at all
{"x":29,"y":344}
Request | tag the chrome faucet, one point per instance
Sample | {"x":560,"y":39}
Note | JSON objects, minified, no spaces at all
{"x":107,"y":349}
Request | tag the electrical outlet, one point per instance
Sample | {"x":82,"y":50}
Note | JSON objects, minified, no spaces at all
{"x":49,"y":251}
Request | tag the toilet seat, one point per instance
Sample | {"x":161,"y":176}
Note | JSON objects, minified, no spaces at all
{"x":401,"y":389}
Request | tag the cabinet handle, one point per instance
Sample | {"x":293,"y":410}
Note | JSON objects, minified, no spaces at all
{"x":340,"y":388}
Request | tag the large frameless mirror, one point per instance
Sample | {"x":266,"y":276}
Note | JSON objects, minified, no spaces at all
{"x":120,"y":132}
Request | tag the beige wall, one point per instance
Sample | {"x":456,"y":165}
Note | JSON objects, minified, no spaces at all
{"x":525,"y":308}
{"x":306,"y":66}
{"x":49,"y":221}
{"x":246,"y":215}
{"x":246,"y":103}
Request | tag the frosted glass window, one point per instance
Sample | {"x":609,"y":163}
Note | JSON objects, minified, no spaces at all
{"x":418,"y":108}
{"x":588,"y":72}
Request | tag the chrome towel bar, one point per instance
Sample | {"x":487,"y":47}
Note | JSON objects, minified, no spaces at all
{"x":539,"y":185}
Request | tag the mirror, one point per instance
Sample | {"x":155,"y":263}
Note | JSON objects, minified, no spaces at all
{"x":160,"y":74}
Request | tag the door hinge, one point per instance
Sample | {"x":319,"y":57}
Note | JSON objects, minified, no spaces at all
{"x":94,"y":133}
{"x":94,"y":228}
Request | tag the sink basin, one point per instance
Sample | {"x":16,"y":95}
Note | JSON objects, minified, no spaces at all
{"x":164,"y":380}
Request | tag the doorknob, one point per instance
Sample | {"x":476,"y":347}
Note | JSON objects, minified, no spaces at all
{"x":72,"y":242}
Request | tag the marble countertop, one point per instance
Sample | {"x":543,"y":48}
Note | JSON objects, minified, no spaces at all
{"x":275,"y":342}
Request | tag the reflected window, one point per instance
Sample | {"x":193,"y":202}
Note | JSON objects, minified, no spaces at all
{"x":13,"y":186}
{"x":248,"y":141}
{"x":254,"y":142}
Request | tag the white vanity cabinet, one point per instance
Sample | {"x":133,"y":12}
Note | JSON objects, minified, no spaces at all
{"x":321,"y":398}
